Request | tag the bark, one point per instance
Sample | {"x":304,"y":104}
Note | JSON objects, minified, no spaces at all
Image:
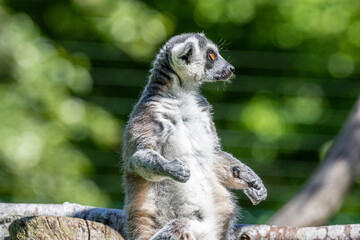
{"x":324,"y":193}
{"x":65,"y":228}
{"x":252,"y":232}
{"x":9,"y":212}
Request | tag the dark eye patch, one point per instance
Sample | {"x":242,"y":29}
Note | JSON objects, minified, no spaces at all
{"x":209,"y":61}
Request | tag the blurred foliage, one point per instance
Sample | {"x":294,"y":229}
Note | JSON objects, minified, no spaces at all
{"x":130,"y":25}
{"x":298,"y":77}
{"x":41,"y":116}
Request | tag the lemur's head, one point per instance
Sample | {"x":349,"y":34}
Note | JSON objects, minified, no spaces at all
{"x":195,"y":59}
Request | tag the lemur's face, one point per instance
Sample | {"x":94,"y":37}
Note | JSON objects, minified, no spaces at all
{"x":197,"y":60}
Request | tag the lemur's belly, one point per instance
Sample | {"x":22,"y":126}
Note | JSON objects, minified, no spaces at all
{"x":194,"y":199}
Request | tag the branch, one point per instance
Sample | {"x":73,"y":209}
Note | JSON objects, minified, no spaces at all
{"x":324,"y":193}
{"x":10,"y":212}
{"x":252,"y":232}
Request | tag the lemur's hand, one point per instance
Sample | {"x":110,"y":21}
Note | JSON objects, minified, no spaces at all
{"x":177,"y":171}
{"x":255,"y":190}
{"x":256,"y":194}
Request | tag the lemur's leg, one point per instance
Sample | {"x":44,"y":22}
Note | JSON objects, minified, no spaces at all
{"x":177,"y":229}
{"x":150,"y":165}
{"x":234,"y":174}
{"x":226,"y":210}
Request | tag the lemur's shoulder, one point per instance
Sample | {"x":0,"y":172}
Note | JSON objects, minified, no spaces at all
{"x":141,"y":127}
{"x":203,"y":102}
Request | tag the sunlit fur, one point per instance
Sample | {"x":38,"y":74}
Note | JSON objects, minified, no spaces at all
{"x":175,"y":172}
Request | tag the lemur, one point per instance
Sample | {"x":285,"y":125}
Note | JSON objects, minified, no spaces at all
{"x":175,"y":173}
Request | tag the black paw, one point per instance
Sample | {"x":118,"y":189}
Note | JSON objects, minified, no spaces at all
{"x":254,"y":184}
{"x":254,"y":188}
{"x":177,"y":171}
{"x":256,"y":191}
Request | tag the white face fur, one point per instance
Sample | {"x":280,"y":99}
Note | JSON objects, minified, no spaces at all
{"x":196,"y":64}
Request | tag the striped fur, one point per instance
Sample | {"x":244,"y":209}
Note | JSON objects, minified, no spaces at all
{"x":175,"y":173}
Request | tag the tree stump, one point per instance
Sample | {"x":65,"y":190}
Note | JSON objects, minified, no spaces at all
{"x":64,"y":228}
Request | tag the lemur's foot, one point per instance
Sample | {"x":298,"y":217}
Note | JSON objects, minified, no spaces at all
{"x":177,"y":171}
{"x":255,"y":190}
{"x":177,"y":229}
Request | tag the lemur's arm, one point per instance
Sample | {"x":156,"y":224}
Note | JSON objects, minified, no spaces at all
{"x":144,"y":132}
{"x":150,"y":165}
{"x":231,"y":172}
{"x":234,"y":174}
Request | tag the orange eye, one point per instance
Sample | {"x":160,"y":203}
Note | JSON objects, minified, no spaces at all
{"x":212,"y":56}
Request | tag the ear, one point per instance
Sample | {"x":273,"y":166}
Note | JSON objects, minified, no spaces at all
{"x":183,"y":52}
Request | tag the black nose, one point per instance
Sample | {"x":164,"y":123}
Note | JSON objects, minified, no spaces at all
{"x":232,"y":69}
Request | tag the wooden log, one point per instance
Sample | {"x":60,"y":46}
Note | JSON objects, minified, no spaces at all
{"x":64,"y":228}
{"x":10,"y":212}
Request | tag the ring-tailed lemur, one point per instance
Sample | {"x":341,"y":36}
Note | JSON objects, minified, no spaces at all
{"x":175,"y":173}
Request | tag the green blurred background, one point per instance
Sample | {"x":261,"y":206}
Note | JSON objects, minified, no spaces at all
{"x":70,"y":72}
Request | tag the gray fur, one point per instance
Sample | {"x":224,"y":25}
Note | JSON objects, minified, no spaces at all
{"x":175,"y":173}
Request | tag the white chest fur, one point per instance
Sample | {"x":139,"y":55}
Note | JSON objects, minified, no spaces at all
{"x":190,"y":140}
